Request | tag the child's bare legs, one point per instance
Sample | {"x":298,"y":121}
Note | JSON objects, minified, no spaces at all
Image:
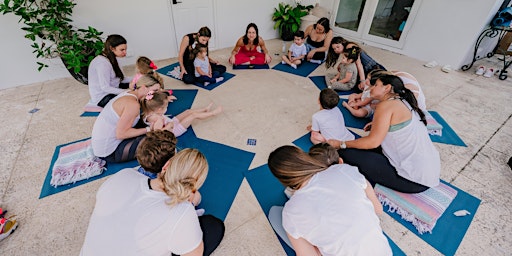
{"x":188,"y":116}
{"x":360,"y":112}
{"x":316,"y":137}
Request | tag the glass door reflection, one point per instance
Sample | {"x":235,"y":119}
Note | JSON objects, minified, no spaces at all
{"x":390,"y":18}
{"x":349,"y":14}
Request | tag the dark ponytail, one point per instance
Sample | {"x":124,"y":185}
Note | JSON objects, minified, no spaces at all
{"x":404,"y":93}
{"x":112,"y":42}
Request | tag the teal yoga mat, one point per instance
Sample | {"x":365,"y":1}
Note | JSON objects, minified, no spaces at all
{"x":89,"y":114}
{"x":48,"y":189}
{"x":319,"y":82}
{"x":450,"y":229}
{"x":449,"y":135}
{"x":164,"y":71}
{"x":269,"y":192}
{"x":304,"y":69}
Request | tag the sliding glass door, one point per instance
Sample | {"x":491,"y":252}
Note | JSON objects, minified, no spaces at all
{"x":382,"y":21}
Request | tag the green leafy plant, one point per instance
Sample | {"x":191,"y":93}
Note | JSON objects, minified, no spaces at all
{"x":48,"y":24}
{"x":287,"y":19}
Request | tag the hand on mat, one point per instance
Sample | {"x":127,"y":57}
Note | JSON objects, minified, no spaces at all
{"x":171,"y":98}
{"x":183,"y":71}
{"x":268,"y":59}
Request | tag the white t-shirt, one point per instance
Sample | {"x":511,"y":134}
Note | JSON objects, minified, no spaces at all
{"x":131,"y":219}
{"x":333,"y":213}
{"x":412,"y":153}
{"x":330,"y":123}
{"x":298,"y":51}
{"x":102,"y":79}
{"x":104,"y":140}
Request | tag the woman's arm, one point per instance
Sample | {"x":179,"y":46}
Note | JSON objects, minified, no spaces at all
{"x":303,"y":247}
{"x":103,"y":70}
{"x":268,"y":58}
{"x":239,"y":43}
{"x":380,"y":126}
{"x":327,"y":42}
{"x":183,"y":47}
{"x":128,"y":114}
{"x":370,"y":193}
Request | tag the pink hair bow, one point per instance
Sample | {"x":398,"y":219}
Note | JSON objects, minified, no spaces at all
{"x":153,"y":66}
{"x":149,"y":96}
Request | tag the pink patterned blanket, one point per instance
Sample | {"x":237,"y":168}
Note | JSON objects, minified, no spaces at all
{"x":421,"y":209}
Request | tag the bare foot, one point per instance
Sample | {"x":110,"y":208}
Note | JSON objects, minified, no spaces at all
{"x":217,"y":110}
{"x":345,"y":104}
{"x":209,"y":107}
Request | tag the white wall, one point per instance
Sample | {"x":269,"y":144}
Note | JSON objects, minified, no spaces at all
{"x":17,"y":62}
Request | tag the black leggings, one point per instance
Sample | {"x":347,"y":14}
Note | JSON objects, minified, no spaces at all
{"x":213,"y":232}
{"x":190,"y":77}
{"x":375,"y":166}
{"x":125,"y":151}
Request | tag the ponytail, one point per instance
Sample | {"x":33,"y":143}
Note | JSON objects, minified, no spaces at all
{"x":404,"y":93}
{"x":293,"y":167}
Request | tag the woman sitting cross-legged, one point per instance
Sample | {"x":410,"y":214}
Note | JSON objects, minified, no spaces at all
{"x":135,"y":215}
{"x":408,"y":161}
{"x":333,"y":209}
{"x":246,"y":49}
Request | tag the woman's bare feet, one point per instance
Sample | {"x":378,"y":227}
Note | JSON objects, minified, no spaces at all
{"x":217,"y":110}
{"x":208,"y":108}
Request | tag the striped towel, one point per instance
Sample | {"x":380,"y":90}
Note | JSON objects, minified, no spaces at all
{"x":76,"y":162}
{"x":422,"y":209}
{"x":433,"y":127}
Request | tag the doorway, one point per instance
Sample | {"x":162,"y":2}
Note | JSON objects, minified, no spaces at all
{"x":382,"y":21}
{"x":188,"y":16}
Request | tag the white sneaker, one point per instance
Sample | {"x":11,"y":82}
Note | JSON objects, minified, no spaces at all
{"x":446,"y":68}
{"x":218,"y":79}
{"x":480,"y":71}
{"x":489,"y":72}
{"x":430,"y":64}
{"x":294,"y":66}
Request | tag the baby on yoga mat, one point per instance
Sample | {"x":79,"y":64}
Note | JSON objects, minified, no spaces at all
{"x":154,"y":106}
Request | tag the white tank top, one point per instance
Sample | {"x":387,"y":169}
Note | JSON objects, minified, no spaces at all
{"x":104,"y":140}
{"x":410,"y":150}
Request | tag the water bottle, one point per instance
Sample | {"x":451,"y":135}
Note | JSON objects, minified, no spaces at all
{"x":284,"y":47}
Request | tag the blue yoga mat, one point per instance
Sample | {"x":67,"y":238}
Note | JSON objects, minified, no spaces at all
{"x":450,"y":229}
{"x":90,"y":114}
{"x":184,"y":101}
{"x":210,"y":87}
{"x":269,"y":192}
{"x":112,"y":168}
{"x":304,"y":69}
{"x":264,"y":66}
{"x":225,"y":175}
{"x":350,"y":120}
{"x":319,"y":81}
{"x":449,"y":135}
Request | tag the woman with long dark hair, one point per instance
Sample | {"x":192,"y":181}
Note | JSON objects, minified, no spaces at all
{"x":105,"y":78}
{"x":246,"y":50}
{"x":408,"y":161}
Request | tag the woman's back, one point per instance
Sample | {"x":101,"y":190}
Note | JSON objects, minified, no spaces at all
{"x":409,"y":149}
{"x":333,"y":213}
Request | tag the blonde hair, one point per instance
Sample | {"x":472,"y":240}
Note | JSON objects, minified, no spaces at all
{"x":149,"y":80}
{"x":185,"y":174}
{"x":293,"y":167}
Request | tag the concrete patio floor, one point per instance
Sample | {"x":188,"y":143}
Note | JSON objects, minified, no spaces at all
{"x":274,"y":107}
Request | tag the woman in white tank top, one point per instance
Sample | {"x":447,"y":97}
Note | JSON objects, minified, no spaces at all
{"x":114,"y":136}
{"x":408,"y":161}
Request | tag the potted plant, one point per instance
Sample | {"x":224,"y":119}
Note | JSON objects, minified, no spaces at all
{"x":287,"y":19}
{"x":48,"y":24}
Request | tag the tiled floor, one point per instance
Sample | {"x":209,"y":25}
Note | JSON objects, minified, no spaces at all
{"x":273,"y":107}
